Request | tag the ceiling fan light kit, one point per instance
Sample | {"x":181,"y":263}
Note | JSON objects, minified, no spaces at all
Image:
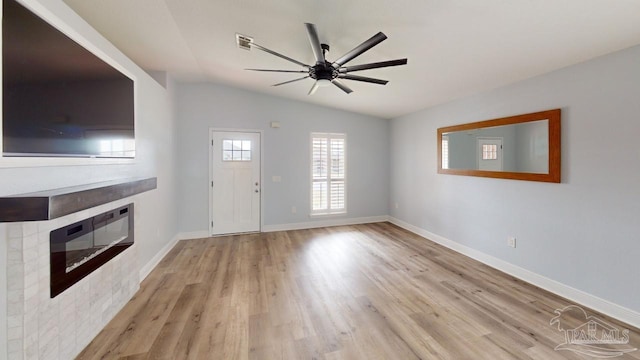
{"x":323,"y":82}
{"x":324,"y":72}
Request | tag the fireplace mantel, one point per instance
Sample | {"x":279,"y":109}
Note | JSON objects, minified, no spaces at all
{"x":52,"y":204}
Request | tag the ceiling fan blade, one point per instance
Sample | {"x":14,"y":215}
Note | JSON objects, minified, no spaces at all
{"x":313,"y":88}
{"x":342,"y":86}
{"x":259,"y":47}
{"x":283,"y":71}
{"x":315,"y":43}
{"x":373,"y":65}
{"x":364,"y":79}
{"x":358,"y":50}
{"x":290,"y":81}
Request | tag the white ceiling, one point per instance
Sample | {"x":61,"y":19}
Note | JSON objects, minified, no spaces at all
{"x":455,"y":47}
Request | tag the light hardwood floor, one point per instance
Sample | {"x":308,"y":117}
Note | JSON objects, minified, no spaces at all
{"x":353,"y":292}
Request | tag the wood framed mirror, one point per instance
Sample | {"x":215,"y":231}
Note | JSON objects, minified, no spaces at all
{"x":521,"y":147}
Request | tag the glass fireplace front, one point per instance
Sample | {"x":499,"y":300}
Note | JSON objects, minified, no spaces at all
{"x":80,"y":248}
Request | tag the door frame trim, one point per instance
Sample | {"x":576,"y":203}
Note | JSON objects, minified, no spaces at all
{"x":210,"y":147}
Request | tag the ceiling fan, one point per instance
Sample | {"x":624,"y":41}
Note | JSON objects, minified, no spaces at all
{"x":324,"y":72}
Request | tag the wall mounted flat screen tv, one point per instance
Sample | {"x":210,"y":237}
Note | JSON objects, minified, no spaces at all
{"x":59,"y":99}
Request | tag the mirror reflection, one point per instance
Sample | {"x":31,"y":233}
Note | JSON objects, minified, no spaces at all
{"x":521,"y":147}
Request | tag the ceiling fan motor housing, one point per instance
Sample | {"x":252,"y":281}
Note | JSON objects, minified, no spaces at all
{"x":323,"y":71}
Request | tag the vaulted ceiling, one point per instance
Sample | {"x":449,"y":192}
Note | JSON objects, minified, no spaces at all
{"x":455,"y":47}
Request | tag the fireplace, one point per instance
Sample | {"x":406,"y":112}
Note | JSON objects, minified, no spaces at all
{"x":78,"y":249}
{"x":40,"y":326}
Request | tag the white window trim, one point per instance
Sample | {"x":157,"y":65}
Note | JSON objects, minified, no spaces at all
{"x":327,"y":212}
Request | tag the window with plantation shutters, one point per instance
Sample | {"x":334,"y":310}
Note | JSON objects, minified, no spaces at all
{"x":445,"y":152}
{"x":328,"y":174}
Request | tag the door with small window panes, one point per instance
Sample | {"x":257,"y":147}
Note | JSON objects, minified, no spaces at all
{"x":235,"y":182}
{"x":490,"y":154}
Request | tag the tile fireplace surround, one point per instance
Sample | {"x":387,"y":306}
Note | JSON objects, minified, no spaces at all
{"x":39,"y":327}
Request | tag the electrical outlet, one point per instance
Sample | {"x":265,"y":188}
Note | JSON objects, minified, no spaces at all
{"x":511,"y":241}
{"x":294,"y":210}
{"x":396,"y":205}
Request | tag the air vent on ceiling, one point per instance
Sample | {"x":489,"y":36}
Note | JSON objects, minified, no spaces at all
{"x":243,"y":41}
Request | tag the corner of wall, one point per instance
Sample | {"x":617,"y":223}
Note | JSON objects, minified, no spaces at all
{"x":147,"y":268}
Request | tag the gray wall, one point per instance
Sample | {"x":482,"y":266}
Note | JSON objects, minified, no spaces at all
{"x":286,"y":152}
{"x":462,"y":151}
{"x":156,"y":211}
{"x":583,"y":232}
{"x":532,"y":147}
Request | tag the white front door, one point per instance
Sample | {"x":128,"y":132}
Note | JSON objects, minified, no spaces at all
{"x":490,"y":154}
{"x":235,"y":182}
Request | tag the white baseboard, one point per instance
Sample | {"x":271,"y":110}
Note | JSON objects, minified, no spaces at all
{"x":148,"y":267}
{"x":296,"y":226}
{"x":193,"y":235}
{"x":580,"y":297}
{"x":324,"y":223}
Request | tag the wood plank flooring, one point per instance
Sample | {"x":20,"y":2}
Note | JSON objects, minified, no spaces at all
{"x":353,"y":292}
